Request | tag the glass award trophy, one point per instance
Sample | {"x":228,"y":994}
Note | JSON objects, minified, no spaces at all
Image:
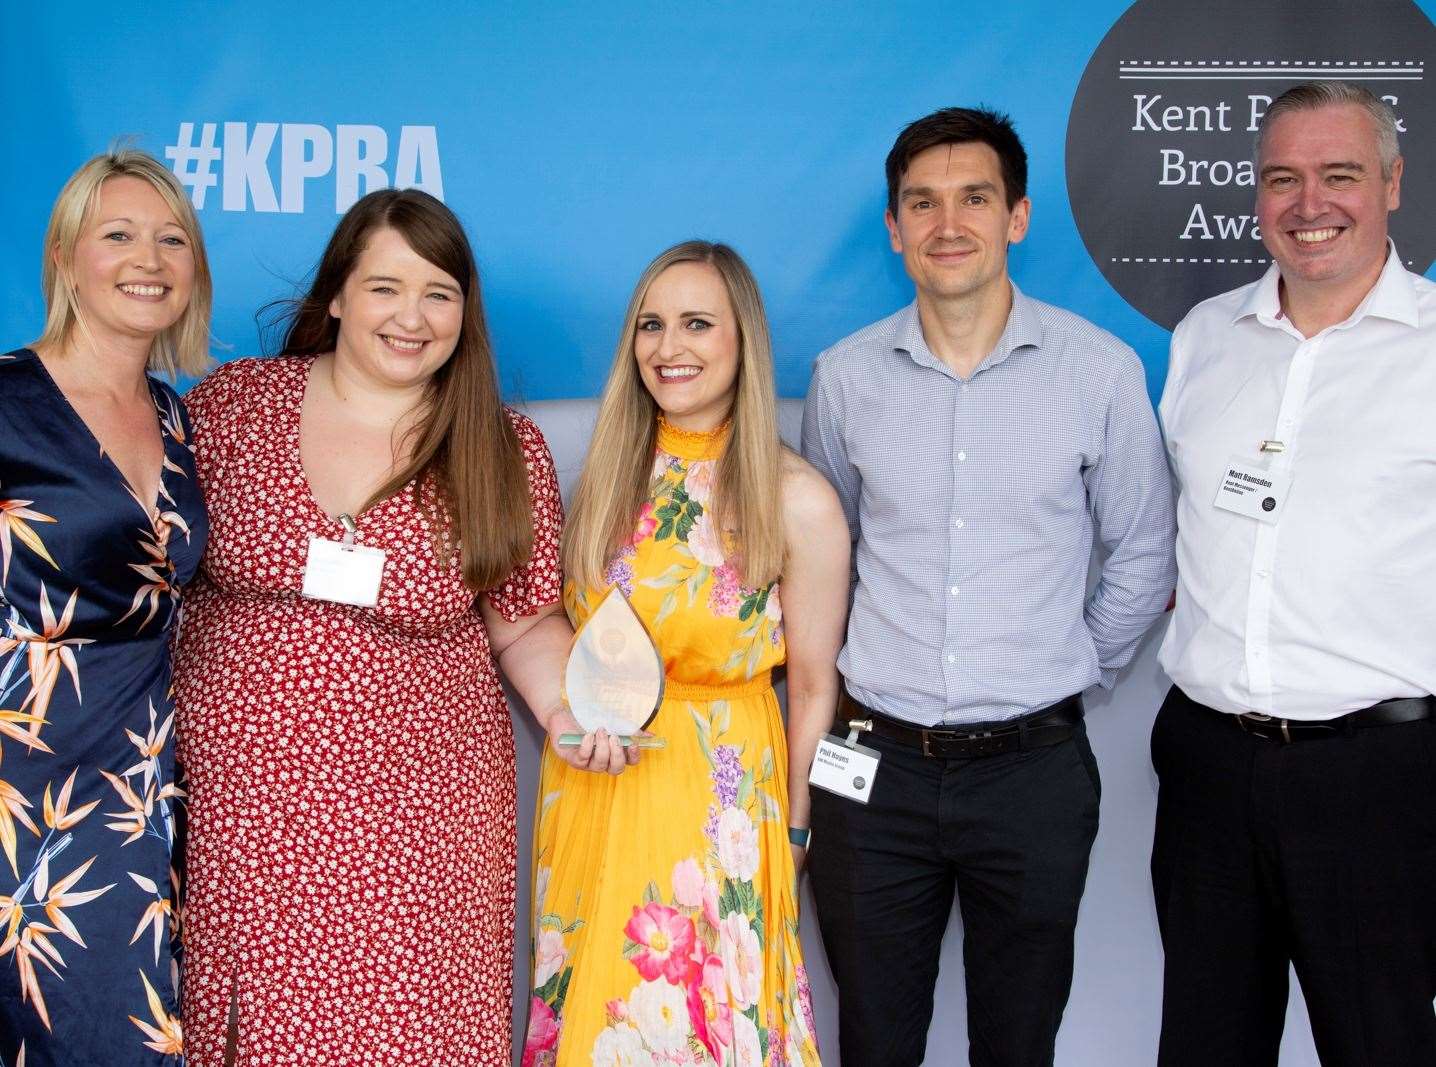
{"x":614,"y":677}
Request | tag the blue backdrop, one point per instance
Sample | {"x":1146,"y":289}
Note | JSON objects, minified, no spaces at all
{"x":574,"y":140}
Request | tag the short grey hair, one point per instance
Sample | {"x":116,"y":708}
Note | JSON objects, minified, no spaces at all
{"x":1311,"y":96}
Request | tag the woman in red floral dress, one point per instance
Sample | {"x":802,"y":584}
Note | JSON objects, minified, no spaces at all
{"x":350,"y":757}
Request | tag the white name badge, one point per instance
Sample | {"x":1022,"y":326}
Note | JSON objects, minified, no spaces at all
{"x":847,"y":770}
{"x":345,"y":574}
{"x":1251,"y":490}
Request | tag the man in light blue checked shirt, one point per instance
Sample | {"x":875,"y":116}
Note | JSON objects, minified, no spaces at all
{"x":978,"y":439}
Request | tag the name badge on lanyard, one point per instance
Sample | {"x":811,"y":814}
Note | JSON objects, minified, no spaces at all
{"x":846,"y":768}
{"x":343,"y":572}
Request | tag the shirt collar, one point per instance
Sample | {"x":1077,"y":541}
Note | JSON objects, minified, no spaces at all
{"x":1392,"y":297}
{"x":1023,"y":330}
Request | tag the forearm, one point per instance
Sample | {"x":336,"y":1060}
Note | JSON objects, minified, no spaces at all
{"x":811,"y":711}
{"x":1125,"y":604}
{"x":533,"y":664}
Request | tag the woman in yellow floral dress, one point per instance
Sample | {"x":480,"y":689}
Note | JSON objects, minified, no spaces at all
{"x":666,"y":915}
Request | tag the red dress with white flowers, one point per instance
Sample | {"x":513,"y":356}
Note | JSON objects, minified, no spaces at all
{"x":351,"y":770}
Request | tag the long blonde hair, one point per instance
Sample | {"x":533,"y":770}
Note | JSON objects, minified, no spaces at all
{"x":464,"y":440}
{"x":182,"y":348}
{"x":617,"y":473}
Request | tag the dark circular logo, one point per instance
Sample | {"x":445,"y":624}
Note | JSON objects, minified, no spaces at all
{"x":1160,"y":139}
{"x":1268,"y":503}
{"x":859,"y":782}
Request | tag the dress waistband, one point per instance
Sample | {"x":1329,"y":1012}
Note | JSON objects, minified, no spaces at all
{"x":675,"y":690}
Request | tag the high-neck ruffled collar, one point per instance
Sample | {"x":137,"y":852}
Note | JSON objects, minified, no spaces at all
{"x":692,"y":444}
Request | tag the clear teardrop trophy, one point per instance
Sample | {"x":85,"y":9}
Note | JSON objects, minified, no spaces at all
{"x":614,"y":677}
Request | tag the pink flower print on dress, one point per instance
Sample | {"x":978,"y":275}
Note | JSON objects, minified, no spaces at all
{"x":698,"y":482}
{"x":665,"y":939}
{"x":773,"y":609}
{"x":805,"y":999}
{"x":549,"y":954}
{"x":660,"y":1011}
{"x":542,"y":1036}
{"x":705,"y":541}
{"x":737,"y":845}
{"x":742,"y":959}
{"x":710,"y":902}
{"x":647,"y":523}
{"x":723,"y":594}
{"x":708,"y":1007}
{"x":621,"y":1046}
{"x":688,"y":883}
{"x":747,"y":1049}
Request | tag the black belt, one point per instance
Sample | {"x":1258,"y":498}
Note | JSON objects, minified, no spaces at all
{"x":1049,"y":726}
{"x":1386,"y":713}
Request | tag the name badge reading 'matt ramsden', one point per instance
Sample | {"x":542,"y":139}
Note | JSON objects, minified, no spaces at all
{"x":614,"y":677}
{"x":1252,"y":490}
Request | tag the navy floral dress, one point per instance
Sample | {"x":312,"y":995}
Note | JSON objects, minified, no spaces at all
{"x":89,"y":596}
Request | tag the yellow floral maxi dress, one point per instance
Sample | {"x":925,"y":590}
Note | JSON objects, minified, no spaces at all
{"x":665,"y":918}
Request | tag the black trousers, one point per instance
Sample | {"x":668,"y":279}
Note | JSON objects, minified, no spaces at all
{"x":1010,"y":835}
{"x":1320,"y":854}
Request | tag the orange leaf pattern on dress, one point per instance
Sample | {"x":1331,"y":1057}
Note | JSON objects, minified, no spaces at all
{"x":13,"y":514}
{"x":166,"y":1035}
{"x":87,"y":727}
{"x":47,"y":651}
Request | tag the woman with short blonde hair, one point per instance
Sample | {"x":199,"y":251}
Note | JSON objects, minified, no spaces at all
{"x":101,"y":523}
{"x":181,"y":348}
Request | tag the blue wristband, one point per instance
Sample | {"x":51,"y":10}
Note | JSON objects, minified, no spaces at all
{"x":800,"y":835}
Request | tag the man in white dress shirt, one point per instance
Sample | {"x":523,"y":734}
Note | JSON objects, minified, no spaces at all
{"x":1296,"y":753}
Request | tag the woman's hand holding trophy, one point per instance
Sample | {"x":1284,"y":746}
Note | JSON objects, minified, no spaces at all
{"x":613,"y":686}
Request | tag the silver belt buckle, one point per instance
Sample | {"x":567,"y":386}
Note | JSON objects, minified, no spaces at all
{"x":1256,"y":716}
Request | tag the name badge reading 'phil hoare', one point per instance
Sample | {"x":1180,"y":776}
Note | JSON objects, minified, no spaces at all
{"x":1248,"y":489}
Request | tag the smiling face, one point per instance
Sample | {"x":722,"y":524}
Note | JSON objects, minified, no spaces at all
{"x":953,"y":225}
{"x":399,"y":315}
{"x":132,"y":267}
{"x":1322,"y":201}
{"x":686,"y":344}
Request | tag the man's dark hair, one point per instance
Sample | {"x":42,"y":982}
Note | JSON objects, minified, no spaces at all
{"x":961,"y":125}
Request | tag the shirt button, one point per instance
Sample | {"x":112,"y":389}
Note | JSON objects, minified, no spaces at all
{"x":962,"y":456}
{"x":951,"y":658}
{"x":953,"y":590}
{"x":958,"y":523}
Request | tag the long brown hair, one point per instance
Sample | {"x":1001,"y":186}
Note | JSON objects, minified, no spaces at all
{"x":618,"y":471}
{"x":463,"y":440}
